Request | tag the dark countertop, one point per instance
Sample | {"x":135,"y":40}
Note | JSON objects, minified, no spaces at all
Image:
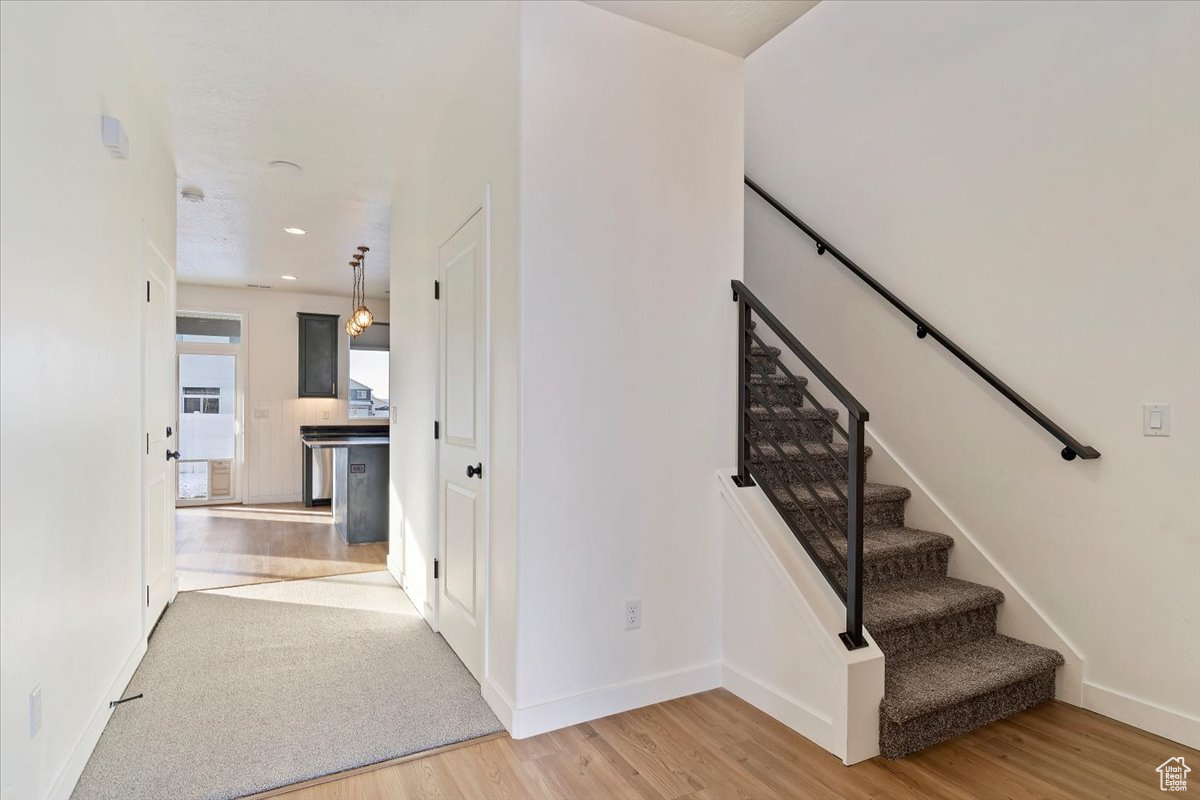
{"x":315,"y":431}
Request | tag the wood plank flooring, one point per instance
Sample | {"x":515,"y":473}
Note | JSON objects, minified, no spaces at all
{"x":713,"y":746}
{"x":233,"y":545}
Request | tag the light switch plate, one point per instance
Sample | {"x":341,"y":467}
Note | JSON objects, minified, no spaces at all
{"x":1156,"y":419}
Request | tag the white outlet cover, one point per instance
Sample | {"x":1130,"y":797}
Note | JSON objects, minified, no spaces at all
{"x":633,"y":614}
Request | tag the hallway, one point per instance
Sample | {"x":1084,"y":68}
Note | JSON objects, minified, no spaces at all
{"x":236,"y":545}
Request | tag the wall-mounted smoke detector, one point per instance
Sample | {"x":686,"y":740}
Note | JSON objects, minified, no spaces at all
{"x":192,"y":194}
{"x":257,"y":286}
{"x":283,"y":166}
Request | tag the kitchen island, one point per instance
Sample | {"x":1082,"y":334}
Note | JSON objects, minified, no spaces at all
{"x":359,"y":472}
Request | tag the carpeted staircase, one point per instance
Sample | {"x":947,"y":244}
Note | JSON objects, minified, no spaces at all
{"x":947,"y":669}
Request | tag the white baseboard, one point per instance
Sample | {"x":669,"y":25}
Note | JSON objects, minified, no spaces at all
{"x":263,"y":499}
{"x":394,"y":568}
{"x":788,"y":710}
{"x":1165,"y":722}
{"x":68,"y":776}
{"x":564,"y":712}
{"x":499,"y":702}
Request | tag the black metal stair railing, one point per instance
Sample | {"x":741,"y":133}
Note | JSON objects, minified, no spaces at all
{"x":1072,"y":447}
{"x":758,"y":439}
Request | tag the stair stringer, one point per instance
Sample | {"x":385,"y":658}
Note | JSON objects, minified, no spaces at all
{"x":781,"y":621}
{"x":1018,"y":616}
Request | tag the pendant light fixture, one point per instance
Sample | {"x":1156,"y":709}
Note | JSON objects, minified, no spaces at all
{"x":360,"y":316}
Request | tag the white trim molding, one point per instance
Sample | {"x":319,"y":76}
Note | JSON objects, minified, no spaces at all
{"x":777,"y":703}
{"x":1166,"y":722}
{"x":68,"y":776}
{"x":574,"y":709}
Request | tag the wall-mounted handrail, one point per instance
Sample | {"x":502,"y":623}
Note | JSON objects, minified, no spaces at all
{"x":1072,"y":447}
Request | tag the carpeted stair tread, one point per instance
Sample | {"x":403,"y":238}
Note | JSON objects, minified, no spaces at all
{"x":944,"y":679}
{"x":782,"y":411}
{"x":755,"y":350}
{"x":885,"y":544}
{"x":872,"y":493}
{"x":897,"y":605}
{"x":759,"y":379}
{"x":815,"y":449}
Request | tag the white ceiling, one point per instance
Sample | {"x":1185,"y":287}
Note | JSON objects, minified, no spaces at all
{"x":736,"y":26}
{"x":329,"y":86}
{"x":333,"y":87}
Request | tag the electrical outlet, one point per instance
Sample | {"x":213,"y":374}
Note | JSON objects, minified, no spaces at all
{"x":633,"y":614}
{"x":35,"y":711}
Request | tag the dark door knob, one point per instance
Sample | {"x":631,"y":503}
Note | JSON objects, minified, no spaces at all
{"x":172,"y":454}
{"x":476,"y":471}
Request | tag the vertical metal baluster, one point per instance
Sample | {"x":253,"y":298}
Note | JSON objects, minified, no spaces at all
{"x":853,"y":637}
{"x":743,"y":406}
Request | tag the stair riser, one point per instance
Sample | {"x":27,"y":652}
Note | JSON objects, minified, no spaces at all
{"x":912,"y":641}
{"x":762,"y":365}
{"x":811,"y":429}
{"x":897,"y":740}
{"x":808,"y":470}
{"x":880,"y":514}
{"x":784,"y":394}
{"x":929,"y":564}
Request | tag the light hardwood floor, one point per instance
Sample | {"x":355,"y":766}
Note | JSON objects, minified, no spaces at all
{"x":713,"y":746}
{"x":233,"y":545}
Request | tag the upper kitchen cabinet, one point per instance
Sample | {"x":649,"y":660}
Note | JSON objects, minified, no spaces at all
{"x":318,"y":355}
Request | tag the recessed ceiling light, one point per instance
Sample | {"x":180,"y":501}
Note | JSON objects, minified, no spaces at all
{"x":296,"y":231}
{"x":286,"y":166}
{"x":288,"y":277}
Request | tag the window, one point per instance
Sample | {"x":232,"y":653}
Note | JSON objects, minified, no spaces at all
{"x":369,"y":373}
{"x":201,"y":399}
{"x":208,"y":328}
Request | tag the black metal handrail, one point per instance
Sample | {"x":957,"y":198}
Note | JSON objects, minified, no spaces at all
{"x":1072,"y":446}
{"x":754,"y":441}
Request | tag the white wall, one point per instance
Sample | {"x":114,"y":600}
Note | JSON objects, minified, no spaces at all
{"x":465,"y":142}
{"x":74,"y":224}
{"x":273,"y":414}
{"x":1027,"y":176}
{"x":631,"y":229}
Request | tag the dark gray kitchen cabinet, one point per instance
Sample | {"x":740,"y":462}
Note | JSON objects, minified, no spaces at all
{"x":318,"y":355}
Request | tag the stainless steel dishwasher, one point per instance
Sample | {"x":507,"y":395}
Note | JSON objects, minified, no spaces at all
{"x":322,"y":473}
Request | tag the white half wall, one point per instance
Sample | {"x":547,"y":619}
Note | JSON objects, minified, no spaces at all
{"x":461,"y":144}
{"x":273,"y":414}
{"x":75,"y":223}
{"x":782,"y":620}
{"x":631,"y":229}
{"x":1027,"y":176}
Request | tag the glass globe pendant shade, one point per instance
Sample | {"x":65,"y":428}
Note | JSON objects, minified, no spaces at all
{"x":363,"y":318}
{"x":353,"y":328}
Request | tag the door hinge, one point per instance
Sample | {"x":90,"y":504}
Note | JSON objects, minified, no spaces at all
{"x":147,"y":444}
{"x":435,"y":569}
{"x":437,"y":290}
{"x":147,"y":291}
{"x":436,"y":430}
{"x":147,"y":597}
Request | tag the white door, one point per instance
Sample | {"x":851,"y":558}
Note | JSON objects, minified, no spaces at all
{"x":462,"y":489}
{"x":158,"y":349}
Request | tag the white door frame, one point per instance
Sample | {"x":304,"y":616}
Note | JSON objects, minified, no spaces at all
{"x":239,"y":393}
{"x":148,"y":251}
{"x":486,"y":208}
{"x":242,"y":351}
